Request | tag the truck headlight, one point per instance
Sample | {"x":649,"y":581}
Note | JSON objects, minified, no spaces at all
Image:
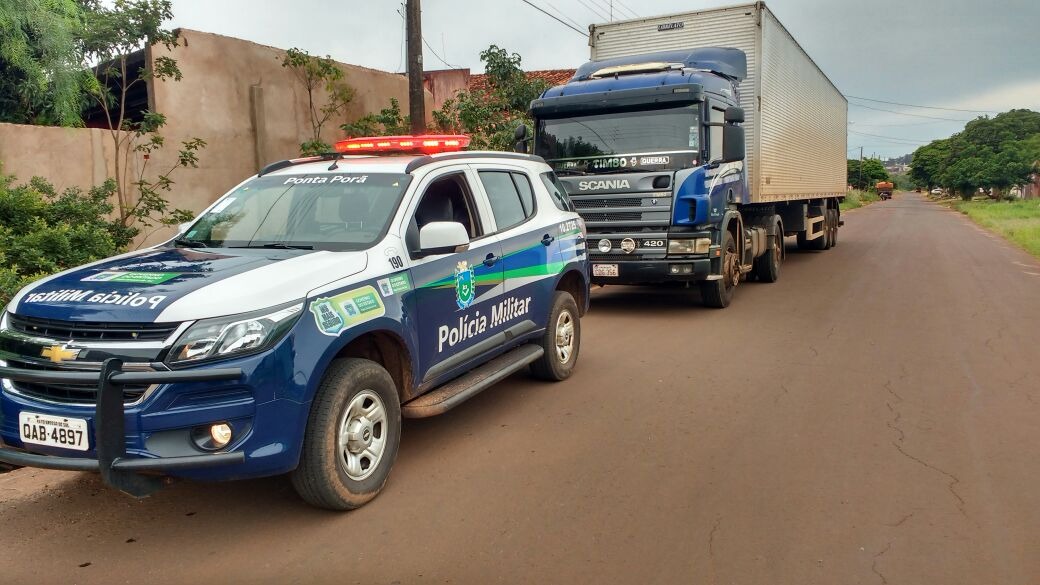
{"x":695,"y":246}
{"x":223,"y":337}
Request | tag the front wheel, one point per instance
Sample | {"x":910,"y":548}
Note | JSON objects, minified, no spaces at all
{"x":561,"y":340}
{"x":352,"y":436}
{"x":717,"y":294}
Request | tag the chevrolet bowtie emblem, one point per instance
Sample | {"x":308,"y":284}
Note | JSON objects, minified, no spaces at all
{"x":59,"y":353}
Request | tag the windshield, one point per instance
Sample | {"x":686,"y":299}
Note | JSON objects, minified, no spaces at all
{"x":667,"y":138}
{"x":343,"y":211}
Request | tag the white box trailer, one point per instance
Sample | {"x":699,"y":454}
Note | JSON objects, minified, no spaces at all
{"x":795,"y":118}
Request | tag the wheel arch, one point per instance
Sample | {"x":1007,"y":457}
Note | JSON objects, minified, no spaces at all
{"x":389,"y":350}
{"x":576,"y":283}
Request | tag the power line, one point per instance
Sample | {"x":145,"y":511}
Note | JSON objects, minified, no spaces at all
{"x":560,"y":12}
{"x":593,"y":10}
{"x":550,"y":15}
{"x":627,"y":9}
{"x":892,"y":138}
{"x":896,"y":125}
{"x":918,"y":106}
{"x":906,"y":114}
{"x":435,"y":54}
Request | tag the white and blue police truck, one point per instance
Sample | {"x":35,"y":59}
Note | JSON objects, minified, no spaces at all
{"x":291,"y":326}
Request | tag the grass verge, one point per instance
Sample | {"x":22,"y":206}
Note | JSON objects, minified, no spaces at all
{"x":855,"y":199}
{"x":1018,"y":221}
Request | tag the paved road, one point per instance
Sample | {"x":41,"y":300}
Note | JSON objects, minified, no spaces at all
{"x":886,"y":432}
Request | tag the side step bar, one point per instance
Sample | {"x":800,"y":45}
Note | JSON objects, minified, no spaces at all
{"x":472,"y":383}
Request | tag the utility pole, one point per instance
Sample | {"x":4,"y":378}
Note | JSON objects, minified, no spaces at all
{"x":861,"y":166}
{"x":416,"y":97}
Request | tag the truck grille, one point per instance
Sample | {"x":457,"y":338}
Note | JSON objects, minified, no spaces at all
{"x":84,"y":394}
{"x":91,"y":331}
{"x":582,"y":204}
{"x":617,"y":213}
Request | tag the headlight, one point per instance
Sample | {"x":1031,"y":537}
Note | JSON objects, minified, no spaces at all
{"x":223,"y":337}
{"x":697,"y":246}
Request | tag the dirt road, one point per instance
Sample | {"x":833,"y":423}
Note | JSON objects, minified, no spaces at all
{"x":885,"y":431}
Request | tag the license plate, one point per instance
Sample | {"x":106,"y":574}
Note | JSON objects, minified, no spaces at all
{"x":604,"y":270}
{"x":53,"y":431}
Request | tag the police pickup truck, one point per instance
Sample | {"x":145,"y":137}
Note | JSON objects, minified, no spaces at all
{"x":297,"y":319}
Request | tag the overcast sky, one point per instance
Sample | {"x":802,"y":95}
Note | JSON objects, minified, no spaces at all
{"x":962,"y":54}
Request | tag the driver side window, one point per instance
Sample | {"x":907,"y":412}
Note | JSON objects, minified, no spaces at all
{"x":446,"y":199}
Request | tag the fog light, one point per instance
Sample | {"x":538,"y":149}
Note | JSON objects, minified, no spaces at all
{"x":604,"y":245}
{"x":221,"y":435}
{"x":680,"y":268}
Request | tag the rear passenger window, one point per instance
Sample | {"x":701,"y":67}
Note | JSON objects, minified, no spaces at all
{"x":557,"y":191}
{"x":523,"y":186}
{"x":506,"y":202}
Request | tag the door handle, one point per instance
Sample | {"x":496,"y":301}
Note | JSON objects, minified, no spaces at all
{"x":490,"y":260}
{"x":547,"y":239}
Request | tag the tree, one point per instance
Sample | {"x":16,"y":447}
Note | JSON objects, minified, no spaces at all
{"x":111,"y":35}
{"x":491,"y":116}
{"x":319,"y":74}
{"x":41,"y":80}
{"x":43,"y":231}
{"x":388,"y":122}
{"x":873,"y":171}
{"x":927,"y":163}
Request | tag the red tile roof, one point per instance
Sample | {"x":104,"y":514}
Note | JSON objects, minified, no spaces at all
{"x":553,"y":77}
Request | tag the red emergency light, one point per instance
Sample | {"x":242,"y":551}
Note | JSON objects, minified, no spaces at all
{"x":429,"y":144}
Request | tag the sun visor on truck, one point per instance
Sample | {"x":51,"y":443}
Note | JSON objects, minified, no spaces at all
{"x":731,"y":63}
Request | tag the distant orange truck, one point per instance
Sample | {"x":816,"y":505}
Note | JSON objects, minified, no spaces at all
{"x":884,"y":189}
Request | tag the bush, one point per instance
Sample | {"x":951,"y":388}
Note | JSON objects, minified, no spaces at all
{"x":43,"y":231}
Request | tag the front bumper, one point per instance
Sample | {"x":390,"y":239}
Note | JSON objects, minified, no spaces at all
{"x":654,"y":271}
{"x":116,"y":468}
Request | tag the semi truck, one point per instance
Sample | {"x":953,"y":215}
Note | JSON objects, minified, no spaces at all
{"x":692,"y":144}
{"x":884,"y":189}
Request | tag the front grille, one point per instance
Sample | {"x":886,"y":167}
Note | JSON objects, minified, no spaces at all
{"x":618,"y":217}
{"x":603,"y":203}
{"x":68,"y":393}
{"x":91,"y":331}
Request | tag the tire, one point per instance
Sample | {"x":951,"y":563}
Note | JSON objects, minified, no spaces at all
{"x":829,"y":233}
{"x":718,"y":294}
{"x":834,"y":236}
{"x":767,"y":266}
{"x":355,"y":406}
{"x":561,"y":340}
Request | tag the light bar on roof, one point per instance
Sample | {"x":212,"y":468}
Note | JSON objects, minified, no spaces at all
{"x":428,"y":144}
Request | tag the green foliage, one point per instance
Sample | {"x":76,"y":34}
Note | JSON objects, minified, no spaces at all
{"x":857,"y":198}
{"x":990,"y":154}
{"x":41,"y":81}
{"x":1018,"y":221}
{"x":319,"y":74}
{"x":490,"y":117}
{"x":388,"y":122}
{"x":873,"y":172}
{"x":113,"y":32}
{"x":43,"y":231}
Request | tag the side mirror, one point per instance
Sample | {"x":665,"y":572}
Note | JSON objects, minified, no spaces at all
{"x":443,"y":237}
{"x":732,"y":143}
{"x":734,"y":115}
{"x":520,"y":135}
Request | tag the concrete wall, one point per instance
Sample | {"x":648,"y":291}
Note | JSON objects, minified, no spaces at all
{"x":443,"y":84}
{"x":234,"y":94}
{"x":67,"y":157}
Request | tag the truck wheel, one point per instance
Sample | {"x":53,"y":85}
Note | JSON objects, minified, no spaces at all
{"x":717,"y":294}
{"x":835,"y":218}
{"x":767,"y":266}
{"x":352,"y":436}
{"x":561,"y":340}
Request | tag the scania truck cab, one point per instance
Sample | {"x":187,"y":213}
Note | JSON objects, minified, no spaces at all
{"x":687,"y":166}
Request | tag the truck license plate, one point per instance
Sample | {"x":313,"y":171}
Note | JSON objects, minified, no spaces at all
{"x":53,"y":431}
{"x":604,"y":270}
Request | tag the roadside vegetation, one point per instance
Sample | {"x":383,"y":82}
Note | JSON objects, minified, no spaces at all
{"x":856,"y":198}
{"x":1018,"y":221}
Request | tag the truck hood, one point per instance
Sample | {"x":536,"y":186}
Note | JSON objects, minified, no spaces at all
{"x":182,"y":284}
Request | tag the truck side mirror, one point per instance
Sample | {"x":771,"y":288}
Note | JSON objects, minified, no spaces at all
{"x":734,"y":115}
{"x":520,"y":135}
{"x":443,"y":237}
{"x":732,"y":143}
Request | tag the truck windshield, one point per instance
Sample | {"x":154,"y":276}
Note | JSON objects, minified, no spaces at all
{"x":666,"y":138}
{"x":343,"y":211}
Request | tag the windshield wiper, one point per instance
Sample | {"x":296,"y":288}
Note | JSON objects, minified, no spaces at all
{"x":189,"y":243}
{"x":570,"y":172}
{"x":279,"y":246}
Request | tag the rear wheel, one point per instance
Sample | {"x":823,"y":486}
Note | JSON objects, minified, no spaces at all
{"x":834,"y":234}
{"x":352,"y":436}
{"x":717,"y":294}
{"x":767,"y":266}
{"x":561,"y":340}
